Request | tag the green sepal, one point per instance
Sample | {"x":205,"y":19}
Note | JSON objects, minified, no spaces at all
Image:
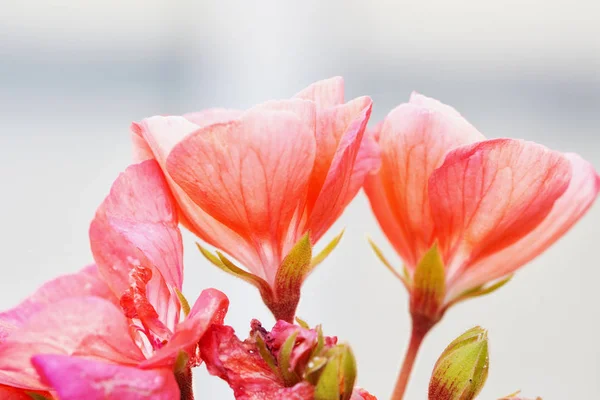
{"x":404,"y":278}
{"x":266,"y":354}
{"x":338,"y":374}
{"x":320,"y":342}
{"x":313,"y":369}
{"x":482,"y":290}
{"x":291,"y":273}
{"x":302,"y":323}
{"x":185,"y":306}
{"x":289,"y":376}
{"x":318,"y":259}
{"x":181,"y":362}
{"x":428,"y":287}
{"x":223,"y":263}
{"x":462,"y":369}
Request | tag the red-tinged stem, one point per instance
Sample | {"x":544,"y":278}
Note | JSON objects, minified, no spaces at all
{"x":184,"y":380}
{"x":419,"y":330}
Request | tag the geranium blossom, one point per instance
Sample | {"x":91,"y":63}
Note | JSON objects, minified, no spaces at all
{"x":254,"y":183}
{"x":479,"y":209}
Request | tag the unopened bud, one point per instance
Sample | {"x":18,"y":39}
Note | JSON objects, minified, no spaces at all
{"x":462,"y":369}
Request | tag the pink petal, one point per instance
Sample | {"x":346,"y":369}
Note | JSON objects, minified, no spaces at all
{"x":137,"y":225}
{"x":241,"y":366}
{"x":433,"y":104}
{"x":250,"y":175}
{"x":336,"y":128}
{"x":212,"y":116}
{"x":10,"y":393}
{"x":361,"y":394}
{"x":414,"y":140}
{"x":87,"y":326}
{"x":75,"y":378}
{"x":209,"y":309}
{"x":326,"y":93}
{"x":86,"y":282}
{"x":567,"y":210}
{"x":489,"y":195}
{"x":160,"y":135}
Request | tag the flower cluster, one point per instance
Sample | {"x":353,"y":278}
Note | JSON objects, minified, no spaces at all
{"x":262,"y":186}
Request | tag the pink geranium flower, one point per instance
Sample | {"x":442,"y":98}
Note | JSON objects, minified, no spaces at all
{"x":254,"y":183}
{"x":464,"y":212}
{"x":113,"y":331}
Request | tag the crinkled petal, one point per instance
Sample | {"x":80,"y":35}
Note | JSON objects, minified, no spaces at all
{"x":567,"y":210}
{"x":86,"y":326}
{"x":86,"y":282}
{"x":325,"y":93}
{"x":212,"y":116}
{"x":209,"y":309}
{"x":489,"y":195}
{"x":74,"y":378}
{"x":414,"y":140}
{"x":339,"y":185}
{"x":241,"y":366}
{"x":251,"y":175}
{"x":137,"y":225}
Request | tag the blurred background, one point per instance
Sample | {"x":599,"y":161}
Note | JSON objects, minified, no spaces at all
{"x":73,"y":75}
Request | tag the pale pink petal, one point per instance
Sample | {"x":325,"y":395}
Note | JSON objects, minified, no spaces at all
{"x":326,"y":93}
{"x":86,"y":282}
{"x":489,"y":195}
{"x":567,"y":210}
{"x":433,"y":104}
{"x":212,"y":116}
{"x":86,"y":326}
{"x":137,"y":225}
{"x":362,"y":394}
{"x":414,"y":140}
{"x":249,"y":174}
{"x":160,"y":135}
{"x":74,"y":378}
{"x":209,"y":309}
{"x":10,"y":393}
{"x":339,"y":188}
{"x":337,"y":127}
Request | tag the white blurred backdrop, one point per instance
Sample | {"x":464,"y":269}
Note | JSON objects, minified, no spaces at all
{"x":74,"y":74}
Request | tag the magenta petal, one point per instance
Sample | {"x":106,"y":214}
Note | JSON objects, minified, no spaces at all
{"x":76,"y":378}
{"x":87,"y":326}
{"x":86,"y":282}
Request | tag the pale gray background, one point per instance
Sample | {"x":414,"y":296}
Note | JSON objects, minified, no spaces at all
{"x":74,"y":74}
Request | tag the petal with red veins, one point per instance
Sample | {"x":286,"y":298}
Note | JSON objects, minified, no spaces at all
{"x":338,"y":188}
{"x":209,"y":309}
{"x":326,"y":93}
{"x":336,"y":128}
{"x":137,"y":225}
{"x":241,"y":366}
{"x":567,"y":210}
{"x":414,"y":139}
{"x":159,"y":135}
{"x":74,"y":378}
{"x":86,"y":326}
{"x":489,"y":195}
{"x":86,"y":282}
{"x":251,"y":175}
